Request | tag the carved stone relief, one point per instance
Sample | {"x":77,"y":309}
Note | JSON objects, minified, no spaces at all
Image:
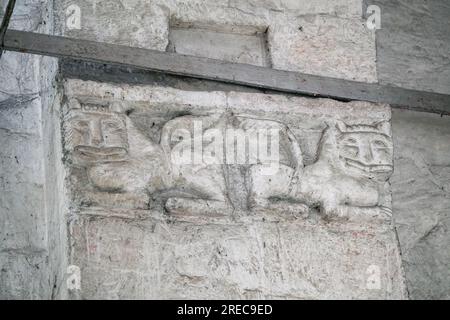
{"x":112,"y":164}
{"x":353,"y":164}
{"x":219,"y":224}
{"x":349,"y":176}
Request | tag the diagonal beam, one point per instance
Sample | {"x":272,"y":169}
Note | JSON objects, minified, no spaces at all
{"x":210,"y":69}
{"x":5,"y":23}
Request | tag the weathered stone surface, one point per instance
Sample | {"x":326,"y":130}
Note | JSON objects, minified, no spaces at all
{"x":23,"y":215}
{"x":240,"y":45}
{"x":324,"y":45}
{"x":32,"y":251}
{"x":20,"y":112}
{"x":22,"y":274}
{"x":133,"y":23}
{"x":414,"y":44}
{"x":421,"y":202}
{"x":254,"y":260}
{"x":319,"y":37}
{"x":341,"y":8}
{"x":146,"y":226}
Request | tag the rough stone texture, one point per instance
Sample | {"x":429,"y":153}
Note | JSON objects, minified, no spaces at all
{"x":320,"y":37}
{"x":144,"y":226}
{"x":31,"y":231}
{"x":413,"y":48}
{"x":329,"y":46}
{"x":135,"y":23}
{"x":342,"y":8}
{"x":240,"y":45}
{"x":421,"y":201}
{"x":413,"y":44}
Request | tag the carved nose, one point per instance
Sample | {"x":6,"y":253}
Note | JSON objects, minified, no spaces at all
{"x":368,"y":154}
{"x":96,"y":134}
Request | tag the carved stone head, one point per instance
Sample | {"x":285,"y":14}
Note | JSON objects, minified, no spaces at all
{"x":365,"y":150}
{"x":95,"y":133}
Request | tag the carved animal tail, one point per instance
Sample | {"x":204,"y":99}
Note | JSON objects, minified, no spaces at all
{"x":296,"y":151}
{"x":327,"y":144}
{"x":298,"y":158}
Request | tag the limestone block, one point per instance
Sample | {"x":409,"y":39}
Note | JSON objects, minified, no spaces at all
{"x":290,"y":259}
{"x":30,"y":259}
{"x":20,"y":270}
{"x":343,"y":8}
{"x":15,"y":63}
{"x":18,"y":159}
{"x":22,"y":219}
{"x":324,"y":45}
{"x":414,"y":38}
{"x":20,"y":114}
{"x":162,"y":208}
{"x":239,"y":45}
{"x":215,"y":13}
{"x":22,"y":215}
{"x":133,"y":23}
{"x":28,"y":15}
{"x":423,"y":64}
{"x":421,"y":202}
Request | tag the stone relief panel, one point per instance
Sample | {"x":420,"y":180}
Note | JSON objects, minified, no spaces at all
{"x":152,"y":168}
{"x":349,"y":175}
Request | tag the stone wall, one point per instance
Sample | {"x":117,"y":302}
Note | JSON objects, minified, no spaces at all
{"x":413,"y":44}
{"x":412,"y":52}
{"x":320,"y":37}
{"x":32,"y":225}
{"x":421,"y":188}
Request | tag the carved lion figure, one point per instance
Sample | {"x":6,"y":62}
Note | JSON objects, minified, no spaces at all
{"x":353,"y":165}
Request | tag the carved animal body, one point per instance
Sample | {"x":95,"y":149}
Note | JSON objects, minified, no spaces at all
{"x":203,"y":188}
{"x":334,"y":183}
{"x":352,"y":167}
{"x":195,"y":188}
{"x":332,"y":195}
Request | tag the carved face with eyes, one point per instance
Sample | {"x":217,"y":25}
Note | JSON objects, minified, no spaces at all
{"x":366,"y":150}
{"x":97,"y":136}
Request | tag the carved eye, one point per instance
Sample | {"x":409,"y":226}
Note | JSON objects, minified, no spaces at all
{"x":112,"y":126}
{"x":350,"y":141}
{"x":351,"y":150}
{"x":81,"y":125}
{"x":380,"y":144}
{"x":381,"y":148}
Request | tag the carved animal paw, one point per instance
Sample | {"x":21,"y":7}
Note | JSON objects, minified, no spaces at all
{"x":197,"y":207}
{"x":280,"y":207}
{"x":334,"y":211}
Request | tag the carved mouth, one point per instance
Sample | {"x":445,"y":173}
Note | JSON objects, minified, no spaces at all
{"x":101,"y":153}
{"x":369,"y":167}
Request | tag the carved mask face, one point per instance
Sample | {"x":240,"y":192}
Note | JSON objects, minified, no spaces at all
{"x":366,"y":150}
{"x":97,"y":136}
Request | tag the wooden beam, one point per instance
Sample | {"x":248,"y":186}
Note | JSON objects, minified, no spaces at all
{"x":5,"y":22}
{"x":242,"y":74}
